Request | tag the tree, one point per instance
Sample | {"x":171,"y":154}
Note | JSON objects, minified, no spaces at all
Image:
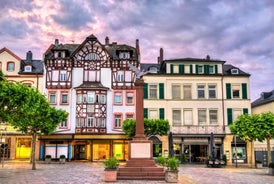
{"x":27,"y":110}
{"x":255,"y":127}
{"x":151,"y":126}
{"x":2,"y":77}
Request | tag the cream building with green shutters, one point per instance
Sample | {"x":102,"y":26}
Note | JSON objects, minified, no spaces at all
{"x":198,"y":97}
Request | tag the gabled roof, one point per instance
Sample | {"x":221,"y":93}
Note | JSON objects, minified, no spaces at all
{"x":266,"y":97}
{"x":10,"y":52}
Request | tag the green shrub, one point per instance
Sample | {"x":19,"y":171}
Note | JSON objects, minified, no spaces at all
{"x":258,"y":162}
{"x":161,"y":161}
{"x":172,"y":164}
{"x":62,"y":156}
{"x":271,"y":165}
{"x":183,"y":159}
{"x":111,"y":163}
{"x":48,"y":156}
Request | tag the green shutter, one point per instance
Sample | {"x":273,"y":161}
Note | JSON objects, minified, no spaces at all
{"x":228,"y":91}
{"x":245,"y":111}
{"x":162,"y":113}
{"x":229,"y":116}
{"x":145,"y":91}
{"x":145,"y":113}
{"x":171,"y":68}
{"x":161,"y":91}
{"x":181,"y":69}
{"x":191,"y":68}
{"x":216,"y":69}
{"x":206,"y":69}
{"x":197,"y":69}
{"x":244,"y":91}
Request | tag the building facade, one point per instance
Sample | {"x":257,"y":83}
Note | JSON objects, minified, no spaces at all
{"x":93,"y":83}
{"x":15,"y":145}
{"x":198,"y":97}
{"x":265,"y":103}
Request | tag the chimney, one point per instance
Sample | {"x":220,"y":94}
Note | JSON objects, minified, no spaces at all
{"x":56,"y":42}
{"x":107,"y":41}
{"x":29,"y":56}
{"x":161,"y":57}
{"x":207,"y":57}
{"x":137,"y":47}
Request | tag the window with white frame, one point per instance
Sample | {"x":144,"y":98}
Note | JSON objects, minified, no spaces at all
{"x":52,"y":97}
{"x":28,"y":68}
{"x":188,"y":119}
{"x":187,"y":92}
{"x":153,"y":114}
{"x":201,"y":91}
{"x":201,"y":116}
{"x":63,"y":76}
{"x":118,"y":121}
{"x":90,"y":108}
{"x":11,"y":66}
{"x":200,"y":69}
{"x":64,"y":97}
{"x":120,"y":76}
{"x":63,"y":124}
{"x":212,"y":91}
{"x":129,"y":98}
{"x":102,"y":99}
{"x":211,"y":69}
{"x":129,"y":116}
{"x":103,"y":122}
{"x":118,"y":98}
{"x":176,"y":117}
{"x":236,"y":91}
{"x":78,"y":122}
{"x":236,"y":113}
{"x":213,"y":116}
{"x":176,"y":91}
{"x":90,"y":120}
{"x":91,"y":96}
{"x":153,"y":91}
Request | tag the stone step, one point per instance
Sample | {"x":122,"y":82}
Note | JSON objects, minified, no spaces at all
{"x":141,"y":173}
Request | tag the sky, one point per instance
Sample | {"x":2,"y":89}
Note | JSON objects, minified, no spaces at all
{"x":240,"y":32}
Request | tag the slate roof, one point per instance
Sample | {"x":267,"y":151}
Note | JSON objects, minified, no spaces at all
{"x":37,"y":65}
{"x":92,"y":85}
{"x":227,"y":70}
{"x":266,"y":97}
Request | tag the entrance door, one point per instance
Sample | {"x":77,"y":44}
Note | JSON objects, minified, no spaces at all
{"x":80,"y":152}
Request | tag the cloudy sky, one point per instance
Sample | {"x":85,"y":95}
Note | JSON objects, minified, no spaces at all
{"x":240,"y":32}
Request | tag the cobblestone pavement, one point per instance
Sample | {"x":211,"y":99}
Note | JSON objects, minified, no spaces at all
{"x":93,"y":173}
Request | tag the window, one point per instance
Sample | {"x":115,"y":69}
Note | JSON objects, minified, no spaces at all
{"x":212,"y":91}
{"x":187,"y":92}
{"x":129,"y":98}
{"x":176,"y":91}
{"x":200,"y":69}
{"x":78,"y":122}
{"x":102,"y":99}
{"x":90,"y":120}
{"x":63,"y":124}
{"x":64,"y":97}
{"x":90,"y":108}
{"x":236,"y":113}
{"x":211,"y":69}
{"x":91,"y":96}
{"x":10,"y":66}
{"x":123,"y":55}
{"x":120,"y":77}
{"x":201,"y":91}
{"x":52,"y":98}
{"x":129,"y":116}
{"x":118,"y":121}
{"x":102,"y":122}
{"x":213,"y":117}
{"x":201,"y":116}
{"x":63,"y":76}
{"x":236,"y":91}
{"x":118,"y":98}
{"x":176,"y":117}
{"x":92,"y":56}
{"x":188,"y":120}
{"x":79,"y":98}
{"x":153,"y":91}
{"x":27,"y":68}
{"x":234,"y":71}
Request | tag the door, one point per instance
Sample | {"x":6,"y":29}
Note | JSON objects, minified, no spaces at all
{"x":80,"y":152}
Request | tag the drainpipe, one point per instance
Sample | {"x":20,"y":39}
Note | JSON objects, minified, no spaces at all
{"x":222,"y":81}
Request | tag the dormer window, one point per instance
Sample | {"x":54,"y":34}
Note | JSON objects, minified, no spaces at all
{"x":153,"y":69}
{"x":234,"y":71}
{"x":28,"y":68}
{"x":124,"y":55}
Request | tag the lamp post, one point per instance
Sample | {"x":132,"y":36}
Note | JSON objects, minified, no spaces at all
{"x":235,"y":153}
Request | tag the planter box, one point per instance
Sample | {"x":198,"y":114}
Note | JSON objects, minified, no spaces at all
{"x":47,"y":160}
{"x":171,"y":176}
{"x":271,"y":171}
{"x":110,"y":175}
{"x":259,"y":165}
{"x":62,"y":160}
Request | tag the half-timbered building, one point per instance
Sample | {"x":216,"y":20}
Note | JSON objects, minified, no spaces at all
{"x":93,"y":83}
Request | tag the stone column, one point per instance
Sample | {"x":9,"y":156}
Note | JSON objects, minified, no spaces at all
{"x":139,"y":132}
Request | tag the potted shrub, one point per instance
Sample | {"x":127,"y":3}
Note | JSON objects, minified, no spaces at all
{"x":171,"y":175}
{"x":111,"y":166}
{"x":271,"y":168}
{"x":161,"y":161}
{"x":183,"y":158}
{"x":48,"y":159}
{"x":259,"y":164}
{"x":62,"y":159}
